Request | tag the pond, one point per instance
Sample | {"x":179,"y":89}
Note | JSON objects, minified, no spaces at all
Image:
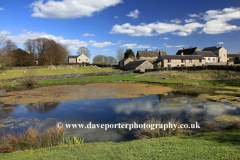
{"x":138,"y":109}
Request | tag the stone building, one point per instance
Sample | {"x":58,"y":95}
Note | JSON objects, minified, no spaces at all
{"x":149,"y":55}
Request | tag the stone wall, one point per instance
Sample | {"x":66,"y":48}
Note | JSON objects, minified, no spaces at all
{"x":232,"y":68}
{"x":60,"y":76}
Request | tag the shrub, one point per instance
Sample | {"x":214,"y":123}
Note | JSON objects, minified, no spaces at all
{"x":29,"y":78}
{"x":147,"y":133}
{"x":234,"y":126}
{"x":159,"y":66}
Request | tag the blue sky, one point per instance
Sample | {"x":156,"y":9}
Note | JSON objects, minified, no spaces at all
{"x":104,"y":25}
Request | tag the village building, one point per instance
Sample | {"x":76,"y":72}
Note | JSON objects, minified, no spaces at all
{"x":137,"y":65}
{"x":221,"y":52}
{"x":124,"y":61}
{"x":149,"y":55}
{"x":78,"y":59}
{"x":209,"y":56}
{"x":179,"y":61}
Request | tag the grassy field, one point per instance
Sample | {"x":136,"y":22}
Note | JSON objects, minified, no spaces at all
{"x":62,"y":70}
{"x":212,"y":145}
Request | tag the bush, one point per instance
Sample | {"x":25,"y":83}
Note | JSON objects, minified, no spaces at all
{"x":234,"y":126}
{"x":159,"y":66}
{"x":147,"y":133}
{"x":29,"y":78}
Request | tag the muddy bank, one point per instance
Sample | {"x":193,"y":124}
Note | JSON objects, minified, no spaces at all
{"x":78,"y":92}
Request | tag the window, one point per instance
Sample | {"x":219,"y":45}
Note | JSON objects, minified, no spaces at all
{"x":169,"y":60}
{"x":177,"y":65}
{"x":79,"y":60}
{"x":169,"y":65}
{"x":193,"y":65}
{"x":190,"y":61}
{"x":182,"y":60}
{"x":182,"y":65}
{"x":208,"y":59}
{"x":150,"y":57}
{"x":202,"y":64}
{"x":213,"y":59}
{"x":86,"y":59}
{"x":145,"y":57}
{"x":200,"y":60}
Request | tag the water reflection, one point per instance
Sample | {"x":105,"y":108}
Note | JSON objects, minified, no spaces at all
{"x":111,"y":111}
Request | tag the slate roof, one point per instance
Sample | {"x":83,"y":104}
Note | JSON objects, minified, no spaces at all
{"x":150,"y":53}
{"x":134,"y":64}
{"x":206,"y":53}
{"x":214,"y":48}
{"x":182,"y":57}
{"x":124,"y":59}
{"x":73,"y":56}
{"x":188,"y":51}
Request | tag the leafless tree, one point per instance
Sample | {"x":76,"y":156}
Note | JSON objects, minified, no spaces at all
{"x":7,"y":56}
{"x":120,"y":54}
{"x":84,"y":50}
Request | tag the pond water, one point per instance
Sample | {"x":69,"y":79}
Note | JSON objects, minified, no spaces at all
{"x":113,"y":111}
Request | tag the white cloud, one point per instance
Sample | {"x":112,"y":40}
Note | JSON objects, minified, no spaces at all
{"x":134,"y":45}
{"x":115,"y":16}
{"x":220,"y":42}
{"x":189,"y":20}
{"x":71,"y":44}
{"x":66,"y":9}
{"x":1,"y":9}
{"x":104,"y":50}
{"x":158,"y":28}
{"x":169,"y":46}
{"x":133,"y":14}
{"x":217,"y":20}
{"x":166,"y":38}
{"x":104,"y":44}
{"x":86,"y":34}
{"x":180,"y":46}
{"x":92,"y":41}
{"x":193,"y":15}
{"x":5,"y":33}
{"x":177,"y":21}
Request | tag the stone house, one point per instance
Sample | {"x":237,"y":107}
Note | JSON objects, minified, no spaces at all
{"x":221,"y":52}
{"x":124,"y":61}
{"x":149,"y":55}
{"x":210,"y":57}
{"x":137,"y":65}
{"x":179,"y":60}
{"x":78,"y":59}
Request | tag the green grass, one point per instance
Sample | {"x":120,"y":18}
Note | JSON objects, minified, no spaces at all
{"x":63,"y":70}
{"x":213,"y":145}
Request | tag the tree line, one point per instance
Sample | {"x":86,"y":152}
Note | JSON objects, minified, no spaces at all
{"x":43,"y":50}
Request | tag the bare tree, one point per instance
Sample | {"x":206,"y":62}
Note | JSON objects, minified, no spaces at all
{"x":7,"y":56}
{"x":120,"y":54}
{"x":111,"y":60}
{"x":84,"y":50}
{"x":65,"y":52}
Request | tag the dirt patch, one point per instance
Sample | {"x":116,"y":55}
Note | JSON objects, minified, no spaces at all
{"x":78,"y":92}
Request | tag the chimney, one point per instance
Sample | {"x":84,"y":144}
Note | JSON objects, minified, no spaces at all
{"x":190,"y":46}
{"x":183,"y":48}
{"x":157,"y":50}
{"x":181,"y":53}
{"x":146,"y":50}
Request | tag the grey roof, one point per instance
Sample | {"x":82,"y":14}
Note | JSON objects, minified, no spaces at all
{"x":232,"y":55}
{"x":72,"y":56}
{"x":206,"y":53}
{"x":156,"y":62}
{"x":182,"y":57}
{"x":150,"y":53}
{"x":188,"y":51}
{"x":124,"y":59}
{"x":134,"y":64}
{"x":214,"y":48}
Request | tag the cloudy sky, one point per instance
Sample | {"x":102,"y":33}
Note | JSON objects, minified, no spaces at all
{"x":104,"y":25}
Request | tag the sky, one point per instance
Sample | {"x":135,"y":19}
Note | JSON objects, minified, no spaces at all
{"x":103,"y":26}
